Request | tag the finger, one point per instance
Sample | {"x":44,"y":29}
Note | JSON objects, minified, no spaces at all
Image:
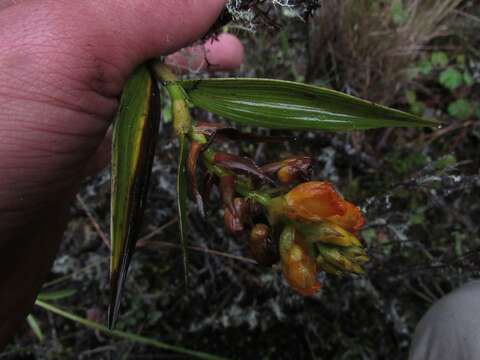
{"x":151,"y":28}
{"x":6,"y":3}
{"x":221,"y":54}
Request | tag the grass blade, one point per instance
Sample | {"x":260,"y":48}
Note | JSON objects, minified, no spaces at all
{"x":35,"y":327}
{"x":134,"y":136}
{"x":125,"y":335}
{"x":56,"y":295}
{"x":182,"y":203}
{"x":289,"y":105}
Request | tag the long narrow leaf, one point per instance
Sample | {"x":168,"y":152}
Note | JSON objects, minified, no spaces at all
{"x":289,"y":105}
{"x":56,"y":295}
{"x":124,"y":335}
{"x":134,"y":137}
{"x":35,"y":327}
{"x":182,"y":202}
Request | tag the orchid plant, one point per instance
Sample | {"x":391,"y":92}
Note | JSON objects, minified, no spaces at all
{"x":304,"y":224}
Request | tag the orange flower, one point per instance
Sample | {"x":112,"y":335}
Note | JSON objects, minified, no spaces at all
{"x":299,"y":269}
{"x":311,"y":201}
{"x":315,"y":201}
{"x":352,"y":220}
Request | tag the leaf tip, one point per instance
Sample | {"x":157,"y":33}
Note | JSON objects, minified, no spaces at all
{"x":117,"y":282}
{"x":114,"y":306}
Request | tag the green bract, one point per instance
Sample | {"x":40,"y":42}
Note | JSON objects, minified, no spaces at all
{"x":134,"y":137}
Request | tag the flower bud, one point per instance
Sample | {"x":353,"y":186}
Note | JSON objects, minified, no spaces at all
{"x":290,"y":169}
{"x":327,"y":232}
{"x":356,"y":254}
{"x":325,"y":266}
{"x":346,"y":260}
{"x":261,"y":245}
{"x":287,"y":174}
{"x":236,"y":216}
{"x":309,"y":202}
{"x":299,"y":269}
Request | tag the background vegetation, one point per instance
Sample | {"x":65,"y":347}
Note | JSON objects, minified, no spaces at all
{"x":419,"y":190}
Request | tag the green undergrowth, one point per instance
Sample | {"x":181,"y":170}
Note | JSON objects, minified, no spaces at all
{"x":419,"y":191}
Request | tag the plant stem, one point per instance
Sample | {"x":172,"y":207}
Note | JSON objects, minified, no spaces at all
{"x":124,"y":335}
{"x":261,"y":198}
{"x":180,"y":113}
{"x":241,"y":186}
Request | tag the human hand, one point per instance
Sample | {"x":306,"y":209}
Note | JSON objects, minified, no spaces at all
{"x":62,"y":67}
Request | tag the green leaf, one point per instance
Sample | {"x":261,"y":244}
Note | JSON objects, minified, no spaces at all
{"x":425,"y":67}
{"x":182,"y":202}
{"x":166,"y":110}
{"x":289,"y":105}
{"x":134,"y":137}
{"x":33,"y":323}
{"x":56,"y":295}
{"x":284,"y":42}
{"x":444,"y":162}
{"x":439,"y":59}
{"x":124,"y":335}
{"x":416,"y":107}
{"x":468,"y":79}
{"x":399,"y":13}
{"x":450,"y":78}
{"x":460,"y":109}
{"x":411,"y":96}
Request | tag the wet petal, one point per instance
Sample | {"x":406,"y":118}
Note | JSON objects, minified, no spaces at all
{"x":299,"y":269}
{"x":314,"y":201}
{"x":352,"y":220}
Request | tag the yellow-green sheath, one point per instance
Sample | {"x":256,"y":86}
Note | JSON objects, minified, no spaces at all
{"x":182,"y":124}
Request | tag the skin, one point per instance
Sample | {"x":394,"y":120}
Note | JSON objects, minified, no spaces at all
{"x":62,"y":67}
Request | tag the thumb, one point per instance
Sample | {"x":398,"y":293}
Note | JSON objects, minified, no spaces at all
{"x":142,"y":30}
{"x":108,"y":38}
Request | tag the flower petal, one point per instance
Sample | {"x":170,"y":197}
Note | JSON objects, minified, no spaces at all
{"x":299,"y":269}
{"x":352,"y":220}
{"x":314,"y":201}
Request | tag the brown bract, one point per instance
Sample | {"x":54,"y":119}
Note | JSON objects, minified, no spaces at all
{"x":236,"y":216}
